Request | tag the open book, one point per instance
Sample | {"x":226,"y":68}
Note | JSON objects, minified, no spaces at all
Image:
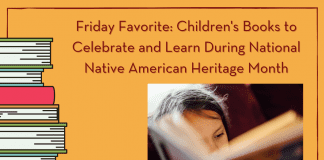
{"x":279,"y":138}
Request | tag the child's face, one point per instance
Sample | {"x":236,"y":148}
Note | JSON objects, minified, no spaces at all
{"x":210,"y":126}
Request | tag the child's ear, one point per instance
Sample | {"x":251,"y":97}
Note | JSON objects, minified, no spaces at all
{"x":225,"y":97}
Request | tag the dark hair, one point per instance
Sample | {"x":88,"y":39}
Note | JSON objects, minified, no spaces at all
{"x":191,"y":99}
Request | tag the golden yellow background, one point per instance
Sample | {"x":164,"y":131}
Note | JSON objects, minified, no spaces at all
{"x":107,"y":113}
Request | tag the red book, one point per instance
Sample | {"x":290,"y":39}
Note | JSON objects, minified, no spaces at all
{"x":27,"y":95}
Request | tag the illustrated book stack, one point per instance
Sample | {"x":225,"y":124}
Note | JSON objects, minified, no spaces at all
{"x":29,"y":118}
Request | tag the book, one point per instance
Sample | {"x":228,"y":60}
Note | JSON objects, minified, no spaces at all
{"x":9,"y":76}
{"x":279,"y":138}
{"x":22,"y":85}
{"x":27,"y":95}
{"x":21,"y":80}
{"x":28,"y":158}
{"x":28,"y":155}
{"x":33,"y":151}
{"x":29,"y":113}
{"x":32,"y":136}
{"x":25,"y":52}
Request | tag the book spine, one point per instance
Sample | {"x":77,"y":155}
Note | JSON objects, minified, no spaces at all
{"x":27,"y":95}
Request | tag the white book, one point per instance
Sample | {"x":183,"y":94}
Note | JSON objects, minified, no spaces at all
{"x":27,"y":158}
{"x":38,"y":44}
{"x":31,"y":135}
{"x":20,"y":74}
{"x":31,"y":58}
{"x":31,"y":144}
{"x":20,"y":80}
{"x":24,"y":50}
{"x":28,"y":114}
{"x":28,"y":129}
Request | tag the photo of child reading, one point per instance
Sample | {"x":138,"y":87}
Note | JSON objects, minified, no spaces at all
{"x":200,"y":115}
{"x":201,"y":109}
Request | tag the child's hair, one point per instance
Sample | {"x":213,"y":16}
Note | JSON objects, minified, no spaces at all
{"x":192,"y":99}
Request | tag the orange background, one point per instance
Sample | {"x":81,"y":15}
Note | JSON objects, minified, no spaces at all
{"x":107,"y":113}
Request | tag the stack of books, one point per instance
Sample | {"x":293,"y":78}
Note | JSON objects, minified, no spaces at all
{"x":29,"y":118}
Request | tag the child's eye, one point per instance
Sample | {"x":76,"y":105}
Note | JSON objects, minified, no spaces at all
{"x":219,"y":135}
